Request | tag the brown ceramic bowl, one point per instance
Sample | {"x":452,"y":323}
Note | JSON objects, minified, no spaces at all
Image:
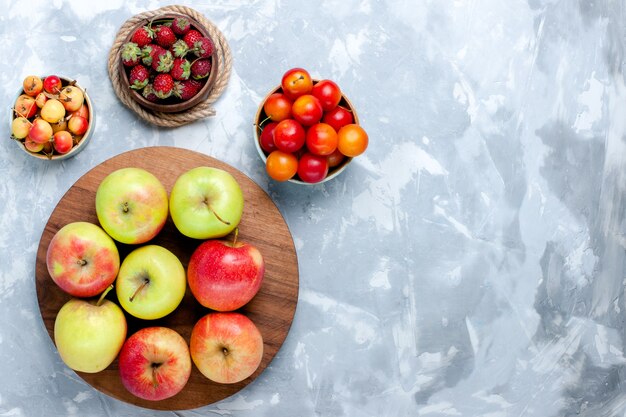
{"x":260,"y":120}
{"x":80,"y":142}
{"x":172,"y":105}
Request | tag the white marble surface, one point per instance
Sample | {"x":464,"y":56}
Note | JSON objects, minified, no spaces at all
{"x":471,"y":263}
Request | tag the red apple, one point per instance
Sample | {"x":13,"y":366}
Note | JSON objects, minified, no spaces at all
{"x":226,"y":347}
{"x":82,"y":111}
{"x":62,"y":141}
{"x":52,"y":84}
{"x":154,"y":363}
{"x":82,"y":259}
{"x":225,"y":275}
{"x":78,"y":125}
{"x":40,"y":131}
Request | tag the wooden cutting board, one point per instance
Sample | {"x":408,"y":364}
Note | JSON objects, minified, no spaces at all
{"x":262,"y":225}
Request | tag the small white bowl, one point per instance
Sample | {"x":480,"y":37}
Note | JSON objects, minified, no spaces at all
{"x":260,"y":116}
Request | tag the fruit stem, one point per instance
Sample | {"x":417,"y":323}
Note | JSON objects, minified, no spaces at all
{"x":146,"y":281}
{"x":218,"y":216}
{"x":225,"y":351}
{"x":21,"y":115}
{"x":104,"y":293}
{"x":155,"y":381}
{"x":263,"y":121}
{"x":235,"y":238}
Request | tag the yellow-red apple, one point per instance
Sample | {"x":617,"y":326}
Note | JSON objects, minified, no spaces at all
{"x":226,"y":347}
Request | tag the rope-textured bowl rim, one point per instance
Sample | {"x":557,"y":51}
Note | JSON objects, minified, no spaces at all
{"x":222,"y":64}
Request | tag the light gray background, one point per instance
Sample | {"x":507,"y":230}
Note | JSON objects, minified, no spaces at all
{"x":471,"y":263}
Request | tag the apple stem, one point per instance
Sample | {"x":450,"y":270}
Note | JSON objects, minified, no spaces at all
{"x":225,"y":351}
{"x":146,"y":281}
{"x":104,"y":293}
{"x":218,"y":216}
{"x":235,"y":238}
{"x":155,"y":381}
{"x":21,"y":115}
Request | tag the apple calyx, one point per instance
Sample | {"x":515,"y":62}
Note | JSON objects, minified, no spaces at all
{"x":104,"y":293}
{"x":125,"y":207}
{"x":225,"y":351}
{"x":145,"y":282}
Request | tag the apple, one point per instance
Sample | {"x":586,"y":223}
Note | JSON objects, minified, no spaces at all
{"x":78,"y":125}
{"x":154,"y":363}
{"x":52,"y":111}
{"x":33,"y":146}
{"x":32,"y":85}
{"x":52,"y":84}
{"x":25,"y":106}
{"x":72,"y":98}
{"x":89,"y":334}
{"x":82,"y":259}
{"x":40,"y":131}
{"x":59,"y":126}
{"x":41,"y":99}
{"x":206,"y":203}
{"x":62,"y":141}
{"x":131,"y":205}
{"x":226,"y":347}
{"x":151,"y":282}
{"x":224,"y":275}
{"x":20,"y":127}
{"x":82,"y":111}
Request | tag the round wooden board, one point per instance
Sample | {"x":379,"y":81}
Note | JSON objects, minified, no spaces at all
{"x":262,"y":225}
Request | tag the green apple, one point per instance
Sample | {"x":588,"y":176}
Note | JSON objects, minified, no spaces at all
{"x":89,"y":334}
{"x":131,"y":205}
{"x":151,"y":282}
{"x":206,"y":203}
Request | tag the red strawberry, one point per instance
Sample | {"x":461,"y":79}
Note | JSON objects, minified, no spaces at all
{"x":165,"y":37}
{"x":163,"y":85}
{"x":148,"y":52}
{"x":186,"y":89}
{"x":143,"y":36}
{"x":181,"y":25}
{"x":203,"y":47}
{"x":131,"y":54}
{"x":148,"y":93}
{"x":162,"y":60}
{"x":181,"y":69}
{"x":138,"y":77}
{"x":179,"y":49}
{"x":200,"y":68}
{"x":192,"y":37}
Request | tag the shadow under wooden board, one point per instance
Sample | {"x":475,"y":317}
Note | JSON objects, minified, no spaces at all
{"x":272,"y":309}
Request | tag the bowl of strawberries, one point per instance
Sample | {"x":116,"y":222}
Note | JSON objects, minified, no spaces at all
{"x":168,"y":63}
